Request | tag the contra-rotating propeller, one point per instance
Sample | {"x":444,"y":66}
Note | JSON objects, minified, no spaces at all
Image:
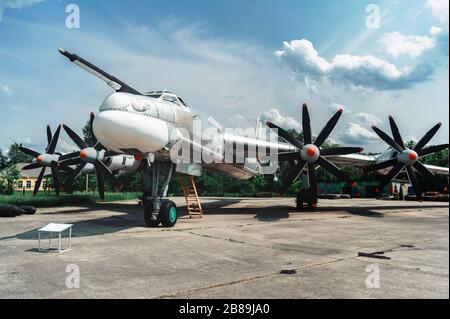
{"x":47,"y":159}
{"x":93,"y":154}
{"x":408,"y":158}
{"x":310,"y":154}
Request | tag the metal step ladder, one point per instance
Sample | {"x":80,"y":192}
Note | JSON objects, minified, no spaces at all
{"x":193,"y":205}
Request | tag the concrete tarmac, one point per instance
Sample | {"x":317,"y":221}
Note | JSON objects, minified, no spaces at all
{"x":242,"y":248}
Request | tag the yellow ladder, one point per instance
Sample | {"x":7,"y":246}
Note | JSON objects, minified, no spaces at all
{"x":191,"y":196}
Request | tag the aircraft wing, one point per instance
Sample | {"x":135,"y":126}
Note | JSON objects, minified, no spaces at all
{"x":360,"y":160}
{"x":438,"y":170}
{"x":109,"y":79}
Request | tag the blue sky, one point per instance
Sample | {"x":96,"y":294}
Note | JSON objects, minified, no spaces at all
{"x":233,"y":60}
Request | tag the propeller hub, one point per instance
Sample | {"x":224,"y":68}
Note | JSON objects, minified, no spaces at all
{"x":90,"y":155}
{"x":310,"y":153}
{"x":40,"y":158}
{"x":408,"y":157}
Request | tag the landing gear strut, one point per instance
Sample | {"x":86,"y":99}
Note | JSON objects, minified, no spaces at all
{"x":305,"y":200}
{"x":158,"y":209}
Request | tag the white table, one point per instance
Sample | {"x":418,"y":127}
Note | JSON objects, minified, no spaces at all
{"x":57,"y":229}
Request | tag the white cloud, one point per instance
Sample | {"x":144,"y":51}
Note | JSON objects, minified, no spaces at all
{"x":435,"y":30}
{"x":5,"y":89}
{"x":397,"y":44}
{"x":355,"y":134}
{"x":15,"y":4}
{"x":367,"y":72}
{"x":273,"y":115}
{"x":367,"y":119}
{"x":334,"y":107}
{"x":440,"y":9}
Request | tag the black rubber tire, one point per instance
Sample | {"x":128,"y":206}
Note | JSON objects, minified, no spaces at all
{"x":10,"y":211}
{"x":29,"y":210}
{"x":168,"y":214}
{"x":145,"y":201}
{"x":148,"y":214}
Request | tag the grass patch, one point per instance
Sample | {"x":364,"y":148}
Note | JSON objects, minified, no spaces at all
{"x":51,"y":200}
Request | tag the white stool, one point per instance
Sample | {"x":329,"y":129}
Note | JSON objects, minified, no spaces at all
{"x":58,"y":229}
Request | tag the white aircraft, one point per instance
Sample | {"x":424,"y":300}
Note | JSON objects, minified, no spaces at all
{"x":135,"y":130}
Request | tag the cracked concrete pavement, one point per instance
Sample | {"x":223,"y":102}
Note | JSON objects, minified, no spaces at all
{"x":240,"y":249}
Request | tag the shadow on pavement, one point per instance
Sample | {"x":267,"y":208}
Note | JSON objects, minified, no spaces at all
{"x":131,"y":215}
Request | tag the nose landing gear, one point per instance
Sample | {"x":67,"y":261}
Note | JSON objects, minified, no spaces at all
{"x":158,"y":209}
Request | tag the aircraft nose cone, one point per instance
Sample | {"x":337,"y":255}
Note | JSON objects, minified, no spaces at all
{"x":311,"y":151}
{"x":83,"y":154}
{"x":40,"y":158}
{"x":412,"y":156}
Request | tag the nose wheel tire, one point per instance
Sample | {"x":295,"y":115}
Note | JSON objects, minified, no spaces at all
{"x":168,"y":214}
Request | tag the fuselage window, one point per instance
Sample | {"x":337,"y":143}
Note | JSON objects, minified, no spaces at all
{"x":124,"y":160}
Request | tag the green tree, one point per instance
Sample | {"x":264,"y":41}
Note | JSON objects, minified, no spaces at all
{"x":3,"y":160}
{"x":8,"y":178}
{"x":87,"y":135}
{"x":16,"y":156}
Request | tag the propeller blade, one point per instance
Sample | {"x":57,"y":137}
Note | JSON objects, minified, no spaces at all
{"x":52,"y":145}
{"x":91,"y":123}
{"x":432,"y":149}
{"x":293,"y":156}
{"x":108,"y":173}
{"x":334,"y":170}
{"x":31,"y":166}
{"x":428,"y":175}
{"x":69,"y":156}
{"x":37,"y":185}
{"x":414,"y":181}
{"x":56,"y":181}
{"x":341,"y":151}
{"x":427,"y":137}
{"x":286,"y":135}
{"x":49,"y":135}
{"x":306,"y":122}
{"x":312,"y":179}
{"x":76,"y":172}
{"x":29,"y":151}
{"x":100,"y":181}
{"x":392,"y":173}
{"x":293,"y":175}
{"x":326,"y":131}
{"x":71,"y":161}
{"x":388,"y":139}
{"x":66,"y":169}
{"x":396,"y":132}
{"x":378,"y":166}
{"x":75,"y":137}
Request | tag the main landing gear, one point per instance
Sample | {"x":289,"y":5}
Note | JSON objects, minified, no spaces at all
{"x":158,"y":209}
{"x":306,"y":200}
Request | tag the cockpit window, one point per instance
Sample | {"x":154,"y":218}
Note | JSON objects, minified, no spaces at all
{"x":183,"y":102}
{"x":171,"y":98}
{"x":156,"y":96}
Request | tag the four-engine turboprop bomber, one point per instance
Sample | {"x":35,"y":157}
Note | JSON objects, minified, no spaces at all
{"x":148,"y":128}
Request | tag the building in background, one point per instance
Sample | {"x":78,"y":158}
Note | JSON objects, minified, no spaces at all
{"x":28,"y":179}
